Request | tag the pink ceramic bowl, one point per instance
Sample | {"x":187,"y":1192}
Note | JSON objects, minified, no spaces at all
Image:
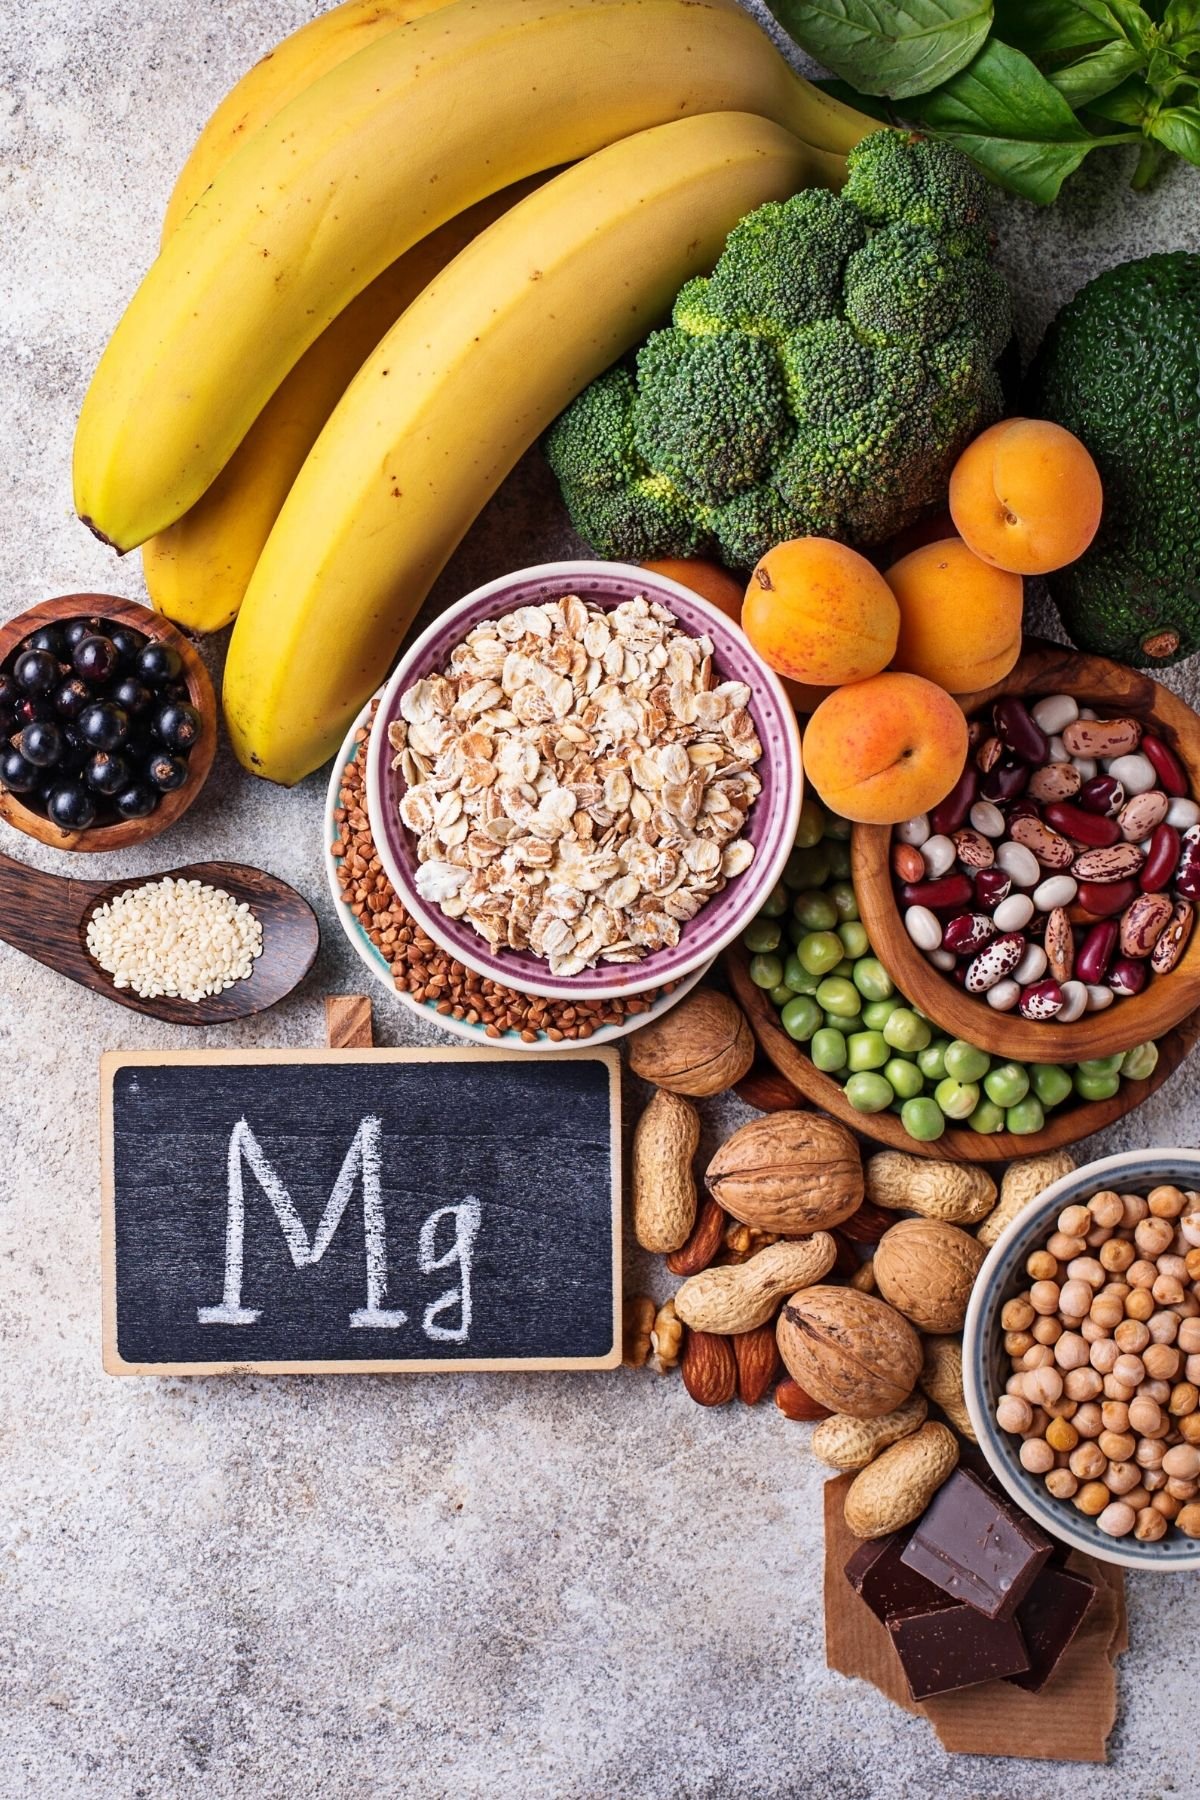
{"x":772,"y":822}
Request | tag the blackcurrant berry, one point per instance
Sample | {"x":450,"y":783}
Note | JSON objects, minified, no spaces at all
{"x":137,"y":800}
{"x":158,"y":663}
{"x":31,"y":707}
{"x":41,"y":744}
{"x":71,"y":806}
{"x":103,"y":725}
{"x":167,"y":772}
{"x":51,"y":639}
{"x":127,"y":644}
{"x":179,"y":725}
{"x":70,"y":698}
{"x":79,"y":629}
{"x":36,"y":671}
{"x":132,"y":694}
{"x":95,"y":658}
{"x":107,"y":772}
{"x":17,"y":775}
{"x":10,"y":693}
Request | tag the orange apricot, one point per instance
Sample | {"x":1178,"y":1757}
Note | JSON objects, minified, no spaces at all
{"x":708,"y":579}
{"x":885,"y":748}
{"x":1026,"y":496}
{"x":820,"y":613}
{"x":960,"y":617}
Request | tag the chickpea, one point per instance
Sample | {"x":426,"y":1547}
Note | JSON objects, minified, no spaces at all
{"x":1117,"y":1519}
{"x":1116,"y":1290}
{"x":1180,"y":1489}
{"x":1071,"y":1351}
{"x":1189,"y":1306}
{"x":1166,"y":1504}
{"x":1082,"y":1384}
{"x":1061,"y":1435}
{"x":1037,"y":1356}
{"x":1041,"y":1266}
{"x":1087,"y":1420}
{"x":1144,"y":1416}
{"x":1117,"y":1255}
{"x":1017,"y":1315}
{"x":1149,"y":1454}
{"x":1117,"y":1390}
{"x":1183,"y":1460}
{"x":1098,"y":1235}
{"x":1141,"y":1273}
{"x":1189,"y":1224}
{"x":1062,"y":1248}
{"x":1014,"y":1413}
{"x":1043,"y":1296}
{"x":1129,"y":1369}
{"x":1162,"y":1362}
{"x":1131,"y":1336}
{"x":1103,"y":1354}
{"x":1122,"y":1477}
{"x":1061,"y":1409}
{"x":1149,"y":1526}
{"x":1173,"y":1265}
{"x":1158,"y":1391}
{"x":1036,"y":1456}
{"x":1163,"y":1327}
{"x":1017,"y":1342}
{"x":1189,"y":1428}
{"x":1107,"y":1310}
{"x":1192,"y":1259}
{"x":1134,"y":1209}
{"x":1107,"y":1208}
{"x":1165,"y":1202}
{"x":1189,"y":1336}
{"x":1015,"y":1384}
{"x":1153,"y":1480}
{"x":1118,"y":1446}
{"x":1048,"y":1330}
{"x":1062,"y":1484}
{"x":1153,"y":1236}
{"x":1191,"y":1368}
{"x":1092,"y":1498}
{"x":1167,"y":1290}
{"x":1074,"y":1300}
{"x":1075,"y":1221}
{"x":1038,"y":1424}
{"x":1086,"y":1268}
{"x":1043,"y":1384}
{"x":1140,"y":1304}
{"x":1087,"y":1461}
{"x":1188,"y":1521}
{"x":1184,"y":1399}
{"x":1115,"y":1414}
{"x":1089,"y":1329}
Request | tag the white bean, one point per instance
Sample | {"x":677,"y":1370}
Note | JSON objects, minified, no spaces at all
{"x":1055,"y":713}
{"x":943,"y":960}
{"x":1183,"y":814}
{"x":1075,"y":1002}
{"x":924,"y":929}
{"x":1099,"y":997}
{"x":939,"y":855}
{"x":914,"y":831}
{"x":1019,"y":863}
{"x":987,"y":819}
{"x":1004,"y":995}
{"x":1032,"y":965}
{"x":1087,"y":765}
{"x":1087,"y":712}
{"x":1013,"y":913}
{"x":1058,"y":751}
{"x":1135,"y":773}
{"x":1056,"y":890}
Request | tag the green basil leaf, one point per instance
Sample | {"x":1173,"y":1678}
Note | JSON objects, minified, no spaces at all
{"x":1130,"y":104}
{"x":1046,"y":29}
{"x":891,"y":47}
{"x":1123,"y":18}
{"x":1035,"y":171}
{"x":1178,"y":128}
{"x":1096,"y":73}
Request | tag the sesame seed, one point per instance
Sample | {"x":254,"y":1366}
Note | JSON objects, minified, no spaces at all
{"x":175,"y":938}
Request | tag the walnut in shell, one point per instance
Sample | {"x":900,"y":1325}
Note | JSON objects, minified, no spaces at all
{"x":852,"y":1352}
{"x":790,"y":1172}
{"x":926,"y":1270}
{"x":702,"y":1046}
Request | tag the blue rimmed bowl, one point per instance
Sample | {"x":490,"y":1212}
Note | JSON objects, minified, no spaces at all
{"x":986,"y":1366}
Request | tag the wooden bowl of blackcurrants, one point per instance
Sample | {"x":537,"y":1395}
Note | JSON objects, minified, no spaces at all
{"x":108,"y":722}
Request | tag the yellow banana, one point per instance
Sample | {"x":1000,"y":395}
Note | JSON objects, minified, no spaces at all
{"x":518,"y":323}
{"x":197,"y":571}
{"x":277,"y":78}
{"x":374,"y":155}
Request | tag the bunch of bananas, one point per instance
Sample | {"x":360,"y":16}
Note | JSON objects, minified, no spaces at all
{"x":372,"y":297}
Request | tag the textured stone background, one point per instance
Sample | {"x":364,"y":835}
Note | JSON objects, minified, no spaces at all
{"x":538,"y":1586}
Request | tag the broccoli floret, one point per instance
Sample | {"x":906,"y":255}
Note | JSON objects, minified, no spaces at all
{"x":820,"y":381}
{"x":895,"y":178}
{"x":711,"y":411}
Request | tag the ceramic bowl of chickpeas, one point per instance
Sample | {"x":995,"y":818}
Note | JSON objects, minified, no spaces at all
{"x":1081,"y":1359}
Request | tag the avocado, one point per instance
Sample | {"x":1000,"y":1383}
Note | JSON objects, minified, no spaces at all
{"x":1120,"y":367}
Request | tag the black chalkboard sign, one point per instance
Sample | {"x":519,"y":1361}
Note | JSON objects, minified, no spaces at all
{"x":350,"y":1211}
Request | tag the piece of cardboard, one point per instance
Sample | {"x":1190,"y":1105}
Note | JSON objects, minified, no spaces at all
{"x":1069,"y":1721}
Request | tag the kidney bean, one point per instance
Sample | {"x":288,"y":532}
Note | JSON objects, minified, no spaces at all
{"x":1051,"y":850}
{"x":1102,"y":901}
{"x":1173,"y":942}
{"x":1116,"y":863}
{"x":988,"y":754}
{"x":1055,"y":711}
{"x":1166,"y":765}
{"x":1127,"y":977}
{"x":1102,"y":737}
{"x":1014,"y":913}
{"x":950,"y":814}
{"x":991,"y":887}
{"x":1075,"y":999}
{"x":994,"y":962}
{"x":968,"y":932}
{"x":1102,"y":795}
{"x":1060,"y":945}
{"x":1085,"y":827}
{"x":1142,"y":815}
{"x":1042,"y":1001}
{"x":1005,"y":781}
{"x":1187,"y":875}
{"x":907,"y":863}
{"x":1096,"y":952}
{"x":950,"y":894}
{"x":1020,"y":733}
{"x":974,"y":850}
{"x":1143,"y":923}
{"x":1183,"y":814}
{"x":1055,"y":781}
{"x":1024,"y":808}
{"x":1160,"y":862}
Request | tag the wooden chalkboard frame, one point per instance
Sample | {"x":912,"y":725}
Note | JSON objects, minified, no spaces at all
{"x":114,"y":1364}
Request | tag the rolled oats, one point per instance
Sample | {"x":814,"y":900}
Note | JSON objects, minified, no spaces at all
{"x":577,"y":781}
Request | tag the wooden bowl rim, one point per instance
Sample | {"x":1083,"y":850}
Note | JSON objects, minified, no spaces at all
{"x":126,"y":832}
{"x":1065,"y":1128}
{"x":1164,"y":1003}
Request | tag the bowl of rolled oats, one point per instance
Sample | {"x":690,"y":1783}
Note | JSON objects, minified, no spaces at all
{"x":582,"y":781}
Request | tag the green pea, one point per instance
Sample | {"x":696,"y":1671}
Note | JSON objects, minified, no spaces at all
{"x":867,"y":1050}
{"x":876,"y":1013}
{"x":932,"y":1060}
{"x":905,"y":1031}
{"x":800,"y":1018}
{"x":837,"y":828}
{"x":1051,"y":1083}
{"x":811,"y":826}
{"x":844,"y":1022}
{"x":837,"y":995}
{"x":839,"y":860}
{"x":779,"y":996}
{"x":854,"y":936}
{"x":766,"y":971}
{"x":762,"y":935}
{"x":820,"y":952}
{"x":828,"y":1050}
{"x":806,"y":868}
{"x":957,"y":1099}
{"x":1141,"y":1061}
{"x":1095,"y":1087}
{"x":905,"y":1077}
{"x":775,"y":904}
{"x":987,"y":1117}
{"x":814,"y":910}
{"x":845,"y":969}
{"x":923,"y":1119}
{"x":798,"y":978}
{"x":869,"y":1093}
{"x":842,"y":895}
{"x":1007,"y":1083}
{"x":872,"y":979}
{"x":1101,"y":1065}
{"x":966,"y":1063}
{"x":1025,"y":1118}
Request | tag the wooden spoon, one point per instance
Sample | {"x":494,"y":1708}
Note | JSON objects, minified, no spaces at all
{"x":46,"y":917}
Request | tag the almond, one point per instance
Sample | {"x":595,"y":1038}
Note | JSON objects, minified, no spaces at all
{"x":757,"y":1356}
{"x":867,"y":1224}
{"x":794,"y":1403}
{"x":709,"y":1368}
{"x":706,"y":1239}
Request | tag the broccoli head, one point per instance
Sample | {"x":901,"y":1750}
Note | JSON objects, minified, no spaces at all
{"x":820,"y":381}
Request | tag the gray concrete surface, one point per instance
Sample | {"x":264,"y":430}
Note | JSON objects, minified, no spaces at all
{"x":472,"y":1586}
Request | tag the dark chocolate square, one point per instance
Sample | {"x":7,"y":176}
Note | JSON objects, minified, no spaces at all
{"x":878,"y":1573}
{"x":977,"y":1547}
{"x":950,"y":1646}
{"x":1049,"y":1616}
